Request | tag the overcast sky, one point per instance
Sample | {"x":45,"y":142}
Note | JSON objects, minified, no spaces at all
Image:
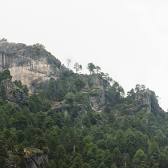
{"x":127,"y":38}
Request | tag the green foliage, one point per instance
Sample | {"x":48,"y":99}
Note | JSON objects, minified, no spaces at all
{"x":139,"y":159}
{"x":3,"y":154}
{"x":59,"y":121}
{"x":91,"y":67}
{"x":5,"y":75}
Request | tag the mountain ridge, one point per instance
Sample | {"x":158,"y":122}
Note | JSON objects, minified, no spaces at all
{"x":33,"y":65}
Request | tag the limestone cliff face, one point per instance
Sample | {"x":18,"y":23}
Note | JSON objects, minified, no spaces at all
{"x":29,"y":64}
{"x":148,"y":99}
{"x":35,"y":158}
{"x":39,"y":161}
{"x":97,"y":87}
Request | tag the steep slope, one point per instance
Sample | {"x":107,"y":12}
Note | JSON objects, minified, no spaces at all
{"x":29,"y":64}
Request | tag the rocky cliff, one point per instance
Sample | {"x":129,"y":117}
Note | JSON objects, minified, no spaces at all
{"x":29,"y":64}
{"x":35,"y":158}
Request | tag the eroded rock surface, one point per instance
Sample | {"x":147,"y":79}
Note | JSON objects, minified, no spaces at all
{"x":29,"y":64}
{"x":35,"y":158}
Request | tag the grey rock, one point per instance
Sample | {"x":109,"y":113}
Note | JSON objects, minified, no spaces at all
{"x":29,"y":64}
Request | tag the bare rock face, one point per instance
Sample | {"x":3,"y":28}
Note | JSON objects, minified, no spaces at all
{"x":29,"y":64}
{"x":40,"y":161}
{"x":35,"y":158}
{"x":97,"y":87}
{"x":148,"y":99}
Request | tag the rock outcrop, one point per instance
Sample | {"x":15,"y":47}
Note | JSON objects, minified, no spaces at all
{"x":148,"y":99}
{"x":97,"y":87}
{"x":35,"y":158}
{"x":29,"y":64}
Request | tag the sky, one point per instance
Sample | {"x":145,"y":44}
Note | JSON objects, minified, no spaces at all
{"x":127,"y":38}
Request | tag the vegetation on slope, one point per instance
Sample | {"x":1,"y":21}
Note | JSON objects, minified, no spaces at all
{"x":63,"y":122}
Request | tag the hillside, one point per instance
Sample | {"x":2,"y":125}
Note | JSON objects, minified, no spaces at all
{"x":73,"y":120}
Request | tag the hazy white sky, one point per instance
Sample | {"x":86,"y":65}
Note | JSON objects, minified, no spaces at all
{"x":127,"y":38}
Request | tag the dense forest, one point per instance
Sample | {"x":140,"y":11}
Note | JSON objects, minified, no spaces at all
{"x":81,"y":121}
